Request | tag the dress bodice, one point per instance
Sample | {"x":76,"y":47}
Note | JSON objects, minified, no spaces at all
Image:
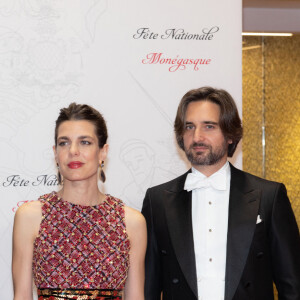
{"x":81,"y":247}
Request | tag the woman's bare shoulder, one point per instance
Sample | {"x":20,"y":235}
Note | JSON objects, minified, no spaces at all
{"x":30,"y":209}
{"x":135,"y":222}
{"x":133,"y":216}
{"x":29,"y":214}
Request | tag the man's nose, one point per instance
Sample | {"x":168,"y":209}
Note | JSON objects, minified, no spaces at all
{"x":198,"y":135}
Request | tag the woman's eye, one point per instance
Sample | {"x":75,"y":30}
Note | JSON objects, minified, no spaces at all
{"x":210,"y":126}
{"x":62,"y":143}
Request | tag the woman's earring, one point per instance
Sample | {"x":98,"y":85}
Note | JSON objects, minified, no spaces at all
{"x":59,"y":179}
{"x":102,"y":175}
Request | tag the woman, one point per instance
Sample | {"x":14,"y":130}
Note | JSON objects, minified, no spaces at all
{"x":74,"y":243}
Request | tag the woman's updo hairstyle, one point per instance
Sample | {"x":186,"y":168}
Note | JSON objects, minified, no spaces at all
{"x":78,"y":112}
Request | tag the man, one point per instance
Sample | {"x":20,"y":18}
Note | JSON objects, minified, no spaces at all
{"x":217,"y":232}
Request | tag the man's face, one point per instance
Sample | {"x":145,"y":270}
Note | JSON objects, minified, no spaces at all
{"x":204,"y":142}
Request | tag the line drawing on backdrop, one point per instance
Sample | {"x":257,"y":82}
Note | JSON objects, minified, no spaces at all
{"x":152,"y":100}
{"x":146,"y":171}
{"x":92,"y":16}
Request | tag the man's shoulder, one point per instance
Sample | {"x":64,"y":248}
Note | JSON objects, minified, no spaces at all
{"x":251,"y":179}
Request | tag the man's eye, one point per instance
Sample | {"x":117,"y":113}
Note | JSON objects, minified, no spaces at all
{"x":210,"y":126}
{"x":85,"y":142}
{"x":189,"y":127}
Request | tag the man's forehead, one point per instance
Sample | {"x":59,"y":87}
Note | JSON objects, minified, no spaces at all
{"x":202,"y":111}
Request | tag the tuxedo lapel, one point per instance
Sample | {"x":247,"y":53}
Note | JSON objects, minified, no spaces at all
{"x":243,"y":210}
{"x":178,"y":210}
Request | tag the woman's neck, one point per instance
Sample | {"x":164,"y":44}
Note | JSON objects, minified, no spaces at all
{"x":82,"y":193}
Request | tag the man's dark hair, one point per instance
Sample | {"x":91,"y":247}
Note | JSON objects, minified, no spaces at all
{"x":230,"y":122}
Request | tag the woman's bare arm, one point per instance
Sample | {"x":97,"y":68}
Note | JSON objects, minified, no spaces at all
{"x":26,"y":227}
{"x":137,"y":233}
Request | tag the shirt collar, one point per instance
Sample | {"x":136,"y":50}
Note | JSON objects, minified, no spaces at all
{"x":225,"y":169}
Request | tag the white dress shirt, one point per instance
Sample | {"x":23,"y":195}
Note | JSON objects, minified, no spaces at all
{"x":210,"y":223}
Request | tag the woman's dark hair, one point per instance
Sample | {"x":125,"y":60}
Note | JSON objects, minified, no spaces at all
{"x":77,"y":112}
{"x":230,"y":122}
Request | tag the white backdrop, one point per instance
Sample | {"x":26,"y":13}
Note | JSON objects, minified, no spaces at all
{"x":133,"y":60}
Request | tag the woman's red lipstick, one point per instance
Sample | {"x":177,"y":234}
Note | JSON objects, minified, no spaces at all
{"x":75,"y":164}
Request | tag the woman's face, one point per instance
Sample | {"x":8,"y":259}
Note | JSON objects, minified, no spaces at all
{"x":77,"y":152}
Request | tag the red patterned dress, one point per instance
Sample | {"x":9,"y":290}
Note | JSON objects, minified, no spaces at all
{"x":81,"y":252}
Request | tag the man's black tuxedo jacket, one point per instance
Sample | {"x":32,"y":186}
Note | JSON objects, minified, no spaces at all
{"x":257,"y":254}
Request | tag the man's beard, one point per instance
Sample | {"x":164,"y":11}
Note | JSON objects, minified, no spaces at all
{"x":209,"y":158}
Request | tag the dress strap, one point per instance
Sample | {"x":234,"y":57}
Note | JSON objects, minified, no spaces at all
{"x":84,"y":294}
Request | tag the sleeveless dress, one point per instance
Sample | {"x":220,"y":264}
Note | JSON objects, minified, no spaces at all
{"x":81,"y":252}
